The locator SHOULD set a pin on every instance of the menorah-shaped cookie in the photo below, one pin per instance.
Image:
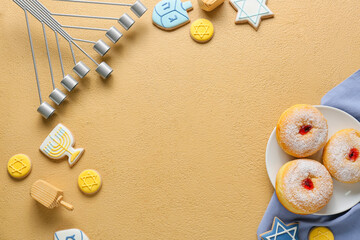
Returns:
(59, 143)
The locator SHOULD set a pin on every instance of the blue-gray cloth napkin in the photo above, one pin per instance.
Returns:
(345, 226)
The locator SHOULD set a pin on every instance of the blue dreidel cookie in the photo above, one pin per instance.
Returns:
(171, 14)
(70, 234)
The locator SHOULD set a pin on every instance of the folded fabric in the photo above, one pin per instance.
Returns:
(345, 96)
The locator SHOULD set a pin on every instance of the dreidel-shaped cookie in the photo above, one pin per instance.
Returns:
(48, 195)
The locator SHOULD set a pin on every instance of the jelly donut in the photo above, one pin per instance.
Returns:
(303, 186)
(341, 156)
(301, 130)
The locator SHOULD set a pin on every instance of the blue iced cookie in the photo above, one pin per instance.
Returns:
(281, 231)
(171, 14)
(70, 234)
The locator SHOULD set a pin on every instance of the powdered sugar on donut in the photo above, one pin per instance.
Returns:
(337, 156)
(309, 143)
(301, 198)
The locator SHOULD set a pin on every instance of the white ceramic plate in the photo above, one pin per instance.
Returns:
(345, 195)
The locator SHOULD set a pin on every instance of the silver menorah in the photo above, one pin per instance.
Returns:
(45, 17)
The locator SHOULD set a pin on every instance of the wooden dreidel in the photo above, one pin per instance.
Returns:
(48, 195)
(209, 5)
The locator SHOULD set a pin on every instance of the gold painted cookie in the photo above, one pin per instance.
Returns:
(89, 181)
(19, 166)
(202, 30)
(321, 233)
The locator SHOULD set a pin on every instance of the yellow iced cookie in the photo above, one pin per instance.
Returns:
(202, 30)
(89, 181)
(19, 166)
(321, 233)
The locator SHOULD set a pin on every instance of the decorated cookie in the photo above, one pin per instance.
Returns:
(281, 231)
(59, 143)
(202, 30)
(321, 233)
(89, 181)
(251, 11)
(70, 234)
(19, 166)
(171, 14)
(209, 5)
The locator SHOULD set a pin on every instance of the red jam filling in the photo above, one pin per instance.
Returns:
(308, 184)
(354, 154)
(305, 129)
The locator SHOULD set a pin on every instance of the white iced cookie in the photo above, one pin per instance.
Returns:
(59, 143)
(251, 11)
(70, 234)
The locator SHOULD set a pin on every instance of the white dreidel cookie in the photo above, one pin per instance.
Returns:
(70, 234)
(59, 144)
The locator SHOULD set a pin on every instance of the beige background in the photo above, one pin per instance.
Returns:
(179, 131)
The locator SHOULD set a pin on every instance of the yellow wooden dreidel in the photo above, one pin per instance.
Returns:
(48, 195)
(209, 5)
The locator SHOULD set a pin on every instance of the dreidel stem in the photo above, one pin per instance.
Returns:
(67, 205)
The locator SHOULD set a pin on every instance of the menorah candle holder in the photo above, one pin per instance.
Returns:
(46, 18)
(81, 69)
(59, 144)
(57, 96)
(113, 34)
(101, 47)
(69, 82)
(126, 21)
(45, 109)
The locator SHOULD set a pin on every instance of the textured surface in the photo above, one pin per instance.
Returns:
(178, 133)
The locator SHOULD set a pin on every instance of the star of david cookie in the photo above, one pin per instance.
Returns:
(251, 11)
(321, 233)
(19, 166)
(281, 231)
(89, 181)
(202, 30)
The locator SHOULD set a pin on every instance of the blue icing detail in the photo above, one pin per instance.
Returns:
(171, 13)
(70, 237)
(281, 231)
(70, 234)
